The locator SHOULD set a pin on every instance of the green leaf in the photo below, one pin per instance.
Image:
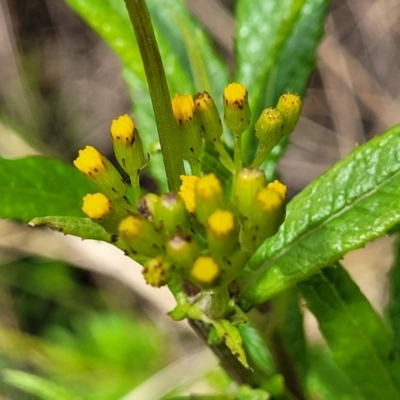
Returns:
(289, 340)
(43, 388)
(37, 186)
(230, 335)
(394, 302)
(82, 227)
(359, 340)
(356, 201)
(326, 380)
(276, 44)
(256, 350)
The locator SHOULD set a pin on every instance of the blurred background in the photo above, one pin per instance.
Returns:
(80, 312)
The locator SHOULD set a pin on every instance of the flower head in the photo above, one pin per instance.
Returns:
(183, 108)
(123, 129)
(90, 161)
(96, 206)
(205, 270)
(187, 191)
(236, 108)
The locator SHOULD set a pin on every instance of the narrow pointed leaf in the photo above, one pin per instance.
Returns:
(41, 388)
(230, 335)
(275, 45)
(356, 335)
(85, 228)
(356, 201)
(36, 186)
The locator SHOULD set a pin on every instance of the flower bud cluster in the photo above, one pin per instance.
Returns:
(207, 231)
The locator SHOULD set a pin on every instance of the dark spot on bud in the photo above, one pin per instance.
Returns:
(114, 190)
(114, 238)
(237, 355)
(192, 150)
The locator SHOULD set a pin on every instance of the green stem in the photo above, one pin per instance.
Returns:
(158, 88)
(260, 157)
(195, 167)
(224, 157)
(237, 150)
(135, 183)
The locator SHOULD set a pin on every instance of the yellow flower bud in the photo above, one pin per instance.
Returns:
(127, 145)
(123, 130)
(101, 172)
(269, 130)
(267, 216)
(209, 197)
(96, 206)
(187, 191)
(289, 104)
(210, 122)
(205, 270)
(156, 272)
(247, 184)
(279, 187)
(184, 113)
(222, 235)
(141, 236)
(236, 108)
(170, 215)
(90, 161)
(182, 250)
(102, 210)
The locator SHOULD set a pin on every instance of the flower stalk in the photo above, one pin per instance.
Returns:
(158, 88)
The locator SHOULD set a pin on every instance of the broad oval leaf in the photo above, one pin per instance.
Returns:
(356, 335)
(276, 44)
(356, 201)
(37, 186)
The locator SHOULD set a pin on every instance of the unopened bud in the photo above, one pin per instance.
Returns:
(248, 182)
(222, 233)
(205, 270)
(182, 251)
(101, 172)
(184, 113)
(186, 191)
(102, 210)
(289, 104)
(156, 272)
(170, 215)
(236, 108)
(127, 144)
(209, 197)
(208, 116)
(141, 236)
